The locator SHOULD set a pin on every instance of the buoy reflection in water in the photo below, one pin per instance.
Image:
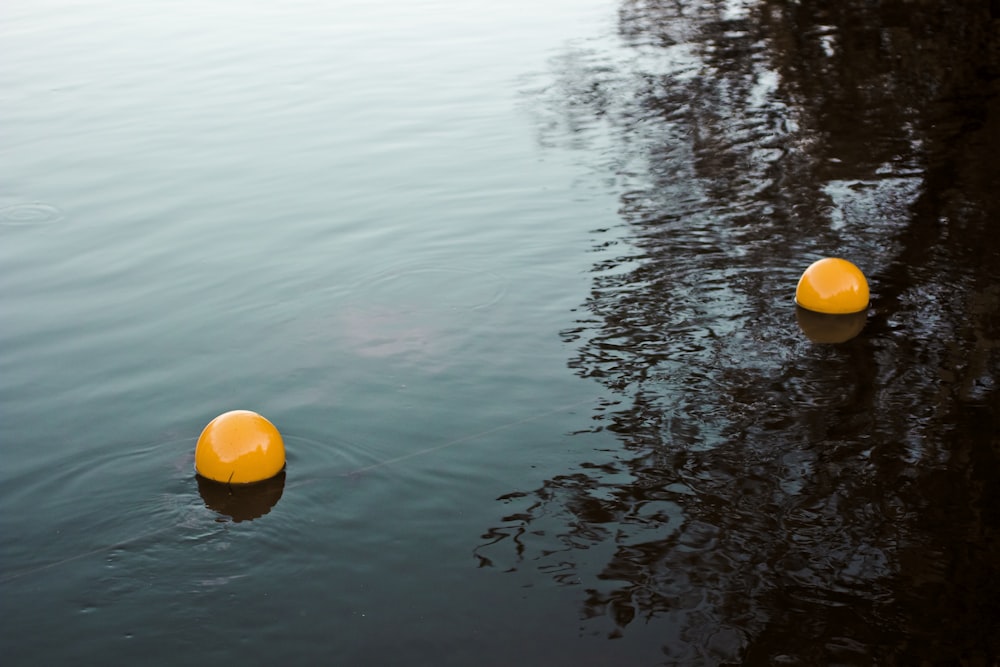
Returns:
(827, 328)
(242, 502)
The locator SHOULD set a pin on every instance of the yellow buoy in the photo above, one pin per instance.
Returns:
(834, 286)
(239, 447)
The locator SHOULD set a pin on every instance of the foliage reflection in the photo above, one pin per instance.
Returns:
(774, 499)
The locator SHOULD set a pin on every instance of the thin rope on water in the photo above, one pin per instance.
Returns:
(12, 576)
(460, 440)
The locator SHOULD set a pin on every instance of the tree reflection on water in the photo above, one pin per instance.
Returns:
(775, 501)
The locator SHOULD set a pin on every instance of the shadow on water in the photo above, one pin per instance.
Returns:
(243, 502)
(775, 500)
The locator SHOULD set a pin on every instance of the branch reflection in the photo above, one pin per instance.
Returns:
(773, 499)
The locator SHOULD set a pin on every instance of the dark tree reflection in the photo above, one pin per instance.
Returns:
(774, 501)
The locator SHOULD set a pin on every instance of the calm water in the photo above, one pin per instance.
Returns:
(515, 282)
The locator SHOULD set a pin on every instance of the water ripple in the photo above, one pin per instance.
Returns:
(34, 213)
(434, 288)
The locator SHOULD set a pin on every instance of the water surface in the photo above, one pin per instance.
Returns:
(516, 283)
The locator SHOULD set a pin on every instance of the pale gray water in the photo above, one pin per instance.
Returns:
(336, 214)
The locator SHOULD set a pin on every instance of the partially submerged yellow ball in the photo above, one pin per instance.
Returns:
(834, 286)
(239, 447)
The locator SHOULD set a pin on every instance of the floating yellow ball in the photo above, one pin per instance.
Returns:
(834, 286)
(239, 447)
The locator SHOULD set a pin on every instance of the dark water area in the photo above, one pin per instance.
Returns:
(529, 334)
(777, 501)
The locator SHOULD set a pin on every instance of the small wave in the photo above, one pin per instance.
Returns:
(36, 213)
(434, 288)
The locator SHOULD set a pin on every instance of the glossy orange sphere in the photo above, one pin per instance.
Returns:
(834, 286)
(239, 447)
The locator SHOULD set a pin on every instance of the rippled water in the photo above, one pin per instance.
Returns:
(777, 501)
(516, 284)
